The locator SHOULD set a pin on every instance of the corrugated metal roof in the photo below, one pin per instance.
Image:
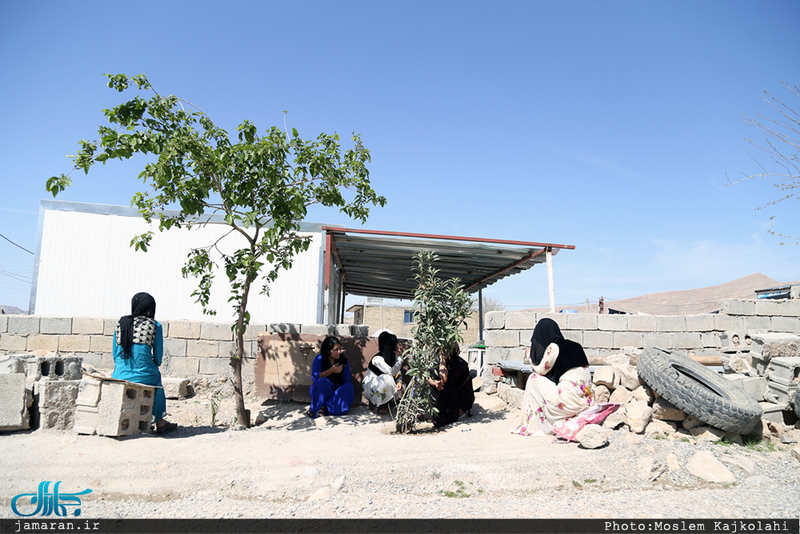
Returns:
(379, 264)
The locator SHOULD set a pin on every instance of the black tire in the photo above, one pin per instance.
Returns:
(796, 402)
(698, 391)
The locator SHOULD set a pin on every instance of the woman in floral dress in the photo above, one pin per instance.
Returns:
(560, 386)
(382, 381)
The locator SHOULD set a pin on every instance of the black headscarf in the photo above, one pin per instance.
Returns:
(387, 345)
(142, 305)
(570, 353)
(325, 351)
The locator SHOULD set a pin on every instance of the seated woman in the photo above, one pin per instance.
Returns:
(331, 389)
(560, 386)
(138, 349)
(382, 381)
(451, 386)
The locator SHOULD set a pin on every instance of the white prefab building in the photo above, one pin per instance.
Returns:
(85, 266)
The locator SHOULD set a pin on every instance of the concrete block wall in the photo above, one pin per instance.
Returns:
(192, 349)
(508, 334)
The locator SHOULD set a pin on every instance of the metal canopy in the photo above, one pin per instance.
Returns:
(379, 264)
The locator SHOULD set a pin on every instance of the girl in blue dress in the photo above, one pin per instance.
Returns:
(331, 389)
(138, 348)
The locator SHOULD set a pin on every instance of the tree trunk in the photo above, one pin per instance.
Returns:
(237, 360)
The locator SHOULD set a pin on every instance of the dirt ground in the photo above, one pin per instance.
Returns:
(354, 466)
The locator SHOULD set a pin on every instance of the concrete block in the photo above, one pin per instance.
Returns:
(74, 343)
(789, 308)
(755, 386)
(124, 408)
(13, 343)
(317, 329)
(724, 322)
(670, 323)
(628, 339)
(360, 330)
(107, 361)
(709, 339)
(15, 400)
(93, 358)
(614, 322)
(87, 325)
(101, 343)
(342, 330)
(511, 395)
(700, 323)
(174, 348)
(89, 392)
(774, 345)
(284, 328)
(110, 326)
(686, 340)
(641, 323)
(23, 324)
(520, 319)
(573, 335)
(502, 338)
(85, 420)
(57, 404)
(55, 325)
(785, 370)
(216, 331)
(51, 419)
(660, 340)
(756, 323)
(215, 366)
(773, 412)
(202, 348)
(42, 342)
(184, 329)
(14, 363)
(226, 349)
(598, 339)
(780, 393)
(737, 307)
(581, 321)
(3, 324)
(495, 320)
(733, 342)
(54, 366)
(184, 366)
(559, 318)
(785, 324)
(496, 354)
(769, 307)
(175, 388)
(253, 329)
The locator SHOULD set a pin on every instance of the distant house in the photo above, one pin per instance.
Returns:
(400, 319)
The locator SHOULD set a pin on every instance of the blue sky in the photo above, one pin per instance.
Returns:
(611, 126)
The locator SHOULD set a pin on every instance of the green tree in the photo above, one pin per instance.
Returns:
(441, 308)
(782, 149)
(261, 184)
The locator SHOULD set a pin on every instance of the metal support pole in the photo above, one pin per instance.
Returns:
(550, 289)
(480, 315)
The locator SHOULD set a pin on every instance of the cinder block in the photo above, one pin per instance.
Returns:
(502, 338)
(226, 349)
(754, 386)
(616, 322)
(13, 342)
(581, 321)
(660, 340)
(774, 345)
(317, 329)
(559, 318)
(85, 420)
(202, 348)
(23, 324)
(89, 392)
(724, 322)
(520, 319)
(216, 331)
(628, 339)
(55, 325)
(15, 400)
(175, 348)
(3, 324)
(54, 366)
(175, 388)
(215, 366)
(573, 335)
(670, 323)
(496, 354)
(360, 330)
(109, 326)
(14, 363)
(94, 359)
(251, 334)
(341, 330)
(57, 404)
(598, 339)
(785, 370)
(74, 343)
(790, 308)
(737, 307)
(756, 323)
(732, 342)
(780, 393)
(700, 323)
(100, 343)
(184, 366)
(42, 342)
(785, 324)
(124, 408)
(184, 329)
(87, 325)
(709, 339)
(495, 320)
(768, 307)
(642, 323)
(686, 340)
(284, 328)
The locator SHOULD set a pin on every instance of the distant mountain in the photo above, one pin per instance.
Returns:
(11, 310)
(687, 301)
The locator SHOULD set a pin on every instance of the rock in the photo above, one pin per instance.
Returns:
(644, 394)
(650, 469)
(615, 420)
(691, 422)
(742, 462)
(666, 411)
(758, 480)
(708, 433)
(617, 359)
(634, 439)
(628, 376)
(637, 416)
(704, 464)
(261, 418)
(621, 395)
(320, 422)
(311, 471)
(796, 453)
(601, 393)
(338, 484)
(604, 375)
(681, 435)
(672, 462)
(658, 428)
(322, 493)
(593, 436)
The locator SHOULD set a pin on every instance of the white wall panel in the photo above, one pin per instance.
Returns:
(87, 268)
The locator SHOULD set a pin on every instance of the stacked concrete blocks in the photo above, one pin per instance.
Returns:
(113, 407)
(15, 402)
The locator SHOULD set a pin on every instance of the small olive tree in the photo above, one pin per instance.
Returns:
(441, 308)
(261, 184)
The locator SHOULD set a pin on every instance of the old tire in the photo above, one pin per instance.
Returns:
(698, 391)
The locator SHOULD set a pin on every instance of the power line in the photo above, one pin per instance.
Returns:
(19, 246)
